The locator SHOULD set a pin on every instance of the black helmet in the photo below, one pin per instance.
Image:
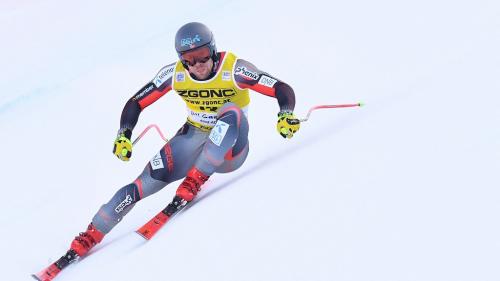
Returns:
(192, 36)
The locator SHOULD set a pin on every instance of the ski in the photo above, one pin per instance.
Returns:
(149, 229)
(55, 268)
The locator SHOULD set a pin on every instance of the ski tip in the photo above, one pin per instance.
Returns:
(36, 277)
(144, 234)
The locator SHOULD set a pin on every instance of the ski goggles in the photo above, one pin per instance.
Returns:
(201, 55)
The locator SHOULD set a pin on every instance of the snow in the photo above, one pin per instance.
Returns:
(405, 188)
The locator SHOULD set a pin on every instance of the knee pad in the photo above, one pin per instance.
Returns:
(229, 109)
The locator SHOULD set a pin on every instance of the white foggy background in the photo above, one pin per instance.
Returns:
(405, 188)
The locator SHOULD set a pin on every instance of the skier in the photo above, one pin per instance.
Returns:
(214, 139)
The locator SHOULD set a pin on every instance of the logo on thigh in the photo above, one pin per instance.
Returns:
(218, 132)
(157, 162)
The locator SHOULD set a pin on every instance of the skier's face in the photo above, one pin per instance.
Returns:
(199, 62)
(201, 70)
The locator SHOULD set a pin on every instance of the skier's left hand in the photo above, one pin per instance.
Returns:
(288, 124)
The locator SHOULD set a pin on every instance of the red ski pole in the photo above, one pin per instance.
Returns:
(329, 106)
(146, 130)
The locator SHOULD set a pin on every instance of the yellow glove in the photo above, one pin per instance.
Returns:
(123, 146)
(288, 124)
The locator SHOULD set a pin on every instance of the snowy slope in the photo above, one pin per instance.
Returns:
(405, 188)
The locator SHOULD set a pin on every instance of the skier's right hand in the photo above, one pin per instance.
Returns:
(123, 146)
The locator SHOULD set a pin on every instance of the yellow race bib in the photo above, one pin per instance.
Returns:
(204, 98)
